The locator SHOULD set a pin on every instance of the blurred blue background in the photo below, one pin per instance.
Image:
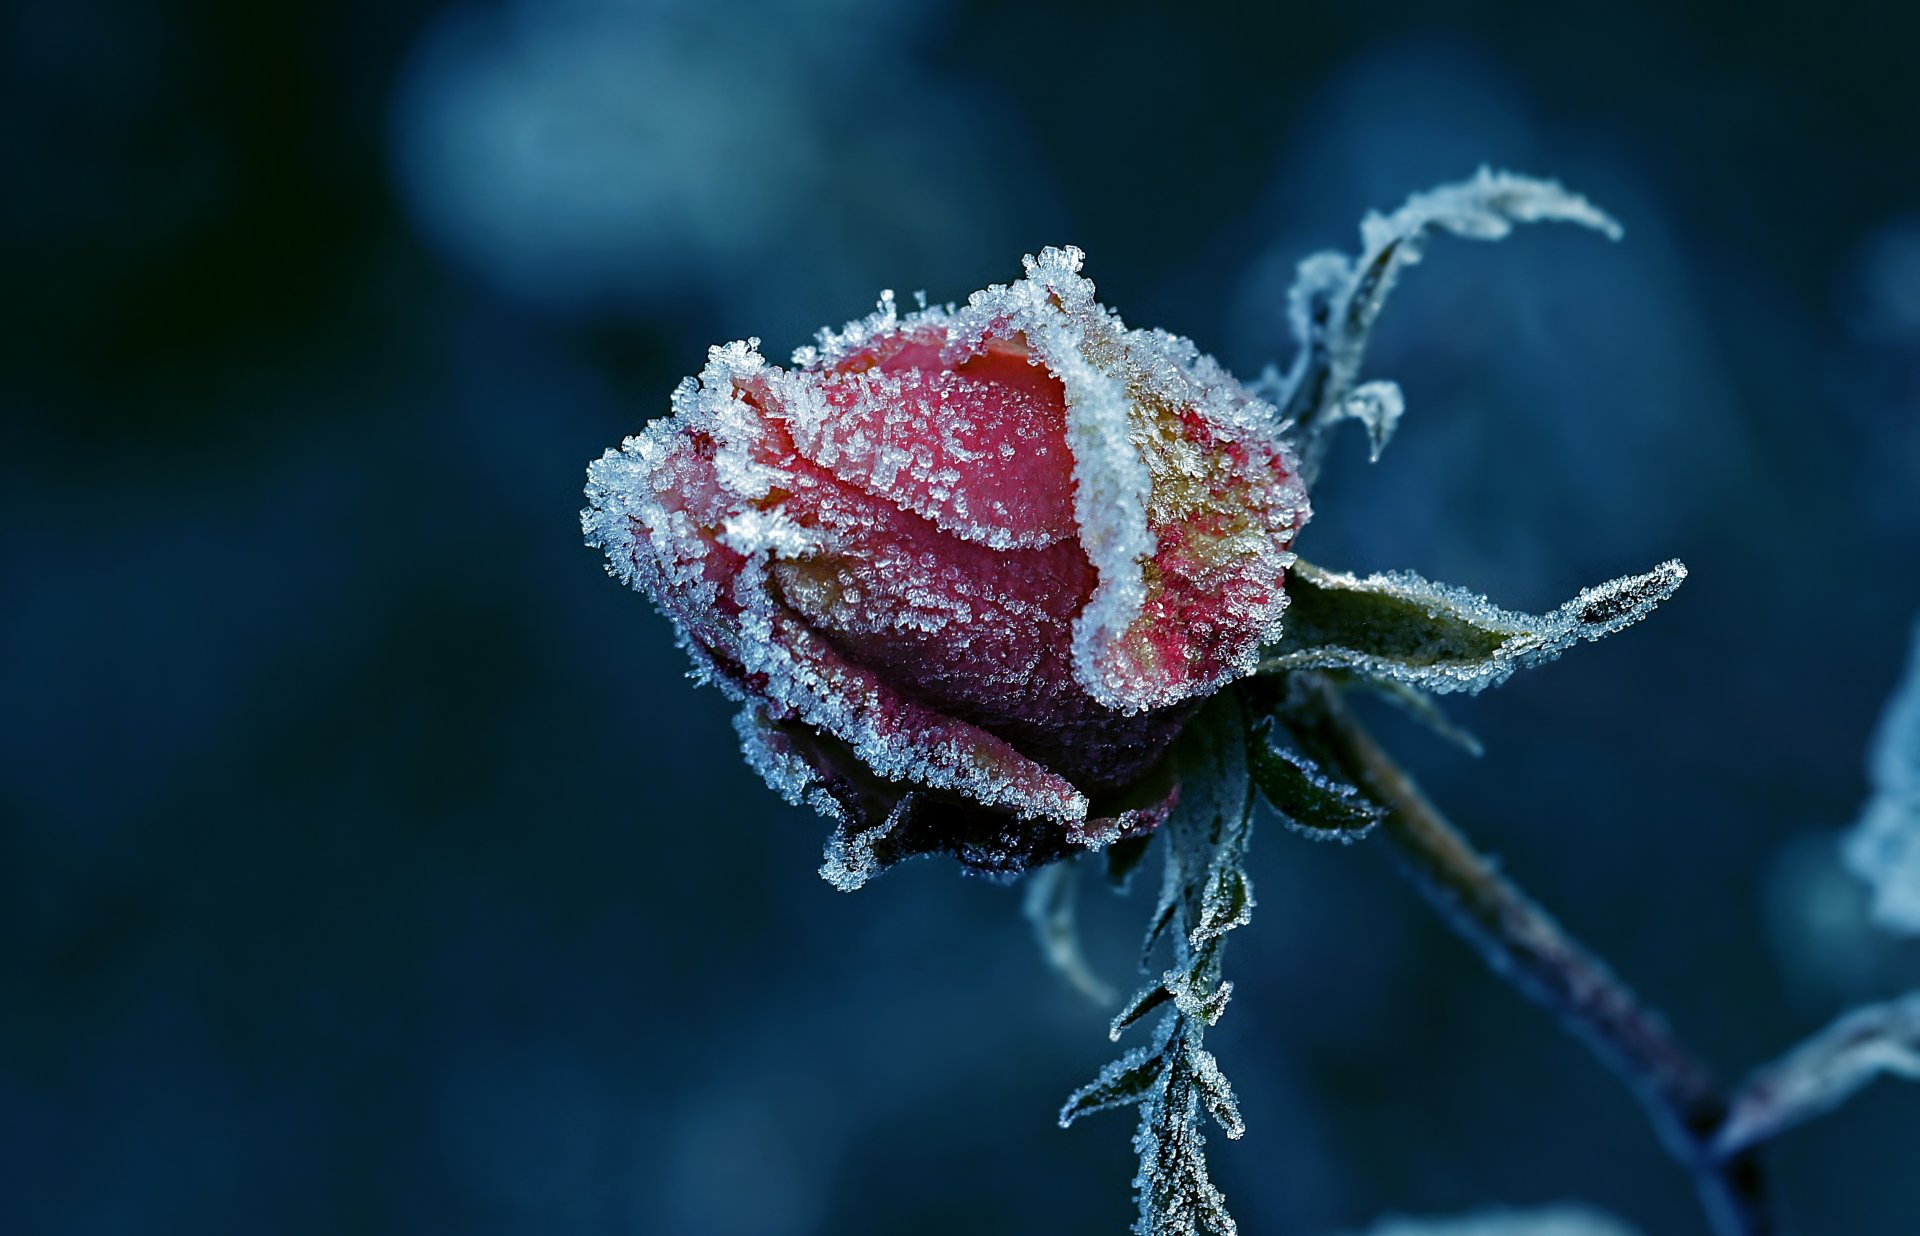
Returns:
(367, 864)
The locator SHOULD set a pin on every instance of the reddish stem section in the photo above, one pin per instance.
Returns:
(1523, 944)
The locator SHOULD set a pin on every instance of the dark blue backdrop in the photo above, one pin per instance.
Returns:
(368, 866)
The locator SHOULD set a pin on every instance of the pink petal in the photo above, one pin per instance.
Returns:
(978, 446)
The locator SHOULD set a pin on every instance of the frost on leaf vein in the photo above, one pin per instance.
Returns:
(1175, 1082)
(1335, 299)
(1400, 628)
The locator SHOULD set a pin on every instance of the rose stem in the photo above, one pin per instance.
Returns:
(1523, 945)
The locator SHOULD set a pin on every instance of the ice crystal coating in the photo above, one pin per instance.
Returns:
(992, 554)
(1305, 796)
(1205, 894)
(1884, 847)
(1378, 407)
(1335, 299)
(1400, 628)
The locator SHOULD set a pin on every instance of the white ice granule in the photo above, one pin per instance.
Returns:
(1111, 478)
(758, 530)
(783, 769)
(1378, 407)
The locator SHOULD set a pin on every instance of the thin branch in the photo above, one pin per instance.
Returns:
(1527, 948)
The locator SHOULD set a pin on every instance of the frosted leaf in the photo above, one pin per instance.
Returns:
(1144, 1001)
(1204, 896)
(1378, 407)
(1227, 903)
(1562, 1220)
(1884, 847)
(1210, 826)
(1216, 1095)
(1824, 1072)
(1401, 628)
(1335, 299)
(1160, 925)
(1123, 1083)
(1198, 1003)
(1049, 906)
(1206, 839)
(1177, 1196)
(1304, 795)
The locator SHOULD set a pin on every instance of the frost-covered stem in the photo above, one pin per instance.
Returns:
(1524, 945)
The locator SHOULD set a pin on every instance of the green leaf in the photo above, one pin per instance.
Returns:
(1176, 1193)
(1126, 1081)
(1216, 1094)
(1403, 629)
(1304, 795)
(1208, 830)
(1144, 1001)
(1204, 893)
(1226, 904)
(1199, 1004)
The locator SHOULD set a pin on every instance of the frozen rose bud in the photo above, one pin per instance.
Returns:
(969, 569)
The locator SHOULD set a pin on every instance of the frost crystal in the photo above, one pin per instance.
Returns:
(1306, 797)
(1884, 847)
(1378, 407)
(1399, 628)
(1205, 894)
(1335, 299)
(784, 770)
